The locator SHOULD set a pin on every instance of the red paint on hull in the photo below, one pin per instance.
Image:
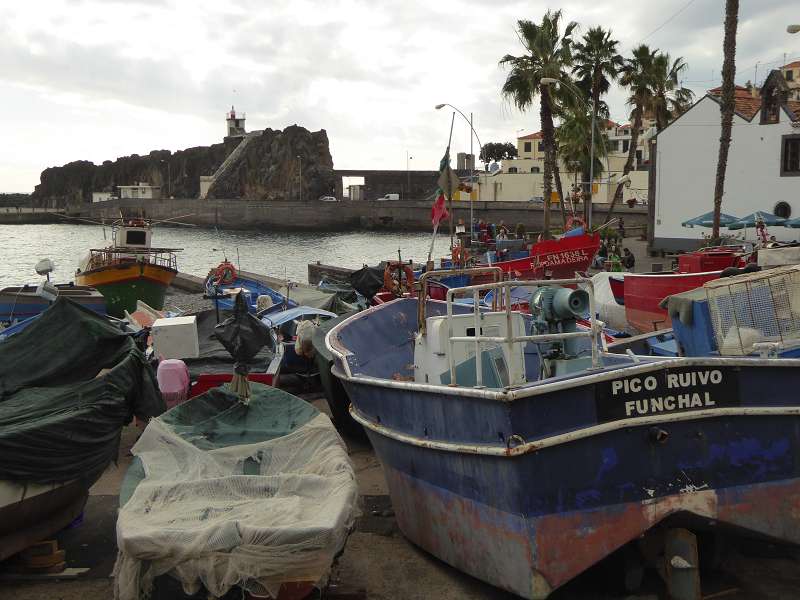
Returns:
(534, 556)
(561, 258)
(644, 292)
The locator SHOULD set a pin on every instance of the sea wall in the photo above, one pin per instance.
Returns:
(334, 216)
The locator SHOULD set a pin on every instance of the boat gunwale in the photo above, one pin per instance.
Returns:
(574, 435)
(124, 265)
(643, 364)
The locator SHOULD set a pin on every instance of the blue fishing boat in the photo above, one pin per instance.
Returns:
(23, 302)
(519, 452)
(224, 282)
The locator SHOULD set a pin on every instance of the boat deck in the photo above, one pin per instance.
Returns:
(379, 561)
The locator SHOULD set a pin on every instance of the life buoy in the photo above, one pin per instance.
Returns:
(460, 255)
(573, 221)
(396, 286)
(225, 273)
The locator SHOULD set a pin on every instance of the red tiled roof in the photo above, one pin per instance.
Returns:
(532, 136)
(738, 92)
(792, 65)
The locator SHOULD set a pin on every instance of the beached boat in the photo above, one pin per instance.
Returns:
(541, 457)
(293, 332)
(221, 493)
(224, 281)
(643, 293)
(70, 381)
(557, 258)
(22, 302)
(130, 269)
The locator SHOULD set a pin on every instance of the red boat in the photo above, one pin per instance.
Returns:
(557, 259)
(643, 292)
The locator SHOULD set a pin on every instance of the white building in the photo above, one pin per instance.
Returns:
(101, 196)
(140, 190)
(763, 170)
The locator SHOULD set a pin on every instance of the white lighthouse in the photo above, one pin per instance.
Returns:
(235, 123)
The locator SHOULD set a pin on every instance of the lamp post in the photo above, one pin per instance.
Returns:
(408, 177)
(472, 170)
(576, 91)
(300, 163)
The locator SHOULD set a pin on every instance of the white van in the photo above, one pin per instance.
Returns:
(388, 197)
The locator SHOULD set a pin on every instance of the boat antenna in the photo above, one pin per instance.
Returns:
(399, 258)
(238, 260)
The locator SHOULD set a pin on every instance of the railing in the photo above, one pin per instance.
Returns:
(423, 283)
(100, 258)
(504, 288)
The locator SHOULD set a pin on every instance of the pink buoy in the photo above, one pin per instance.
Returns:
(173, 381)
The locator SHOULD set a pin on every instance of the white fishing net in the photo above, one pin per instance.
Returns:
(255, 515)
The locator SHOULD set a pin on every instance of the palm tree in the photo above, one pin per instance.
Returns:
(728, 105)
(636, 75)
(574, 141)
(548, 53)
(670, 98)
(597, 64)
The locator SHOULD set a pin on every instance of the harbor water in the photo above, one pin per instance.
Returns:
(270, 253)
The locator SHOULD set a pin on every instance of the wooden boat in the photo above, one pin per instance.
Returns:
(557, 258)
(644, 292)
(22, 302)
(258, 495)
(71, 381)
(224, 281)
(130, 269)
(553, 454)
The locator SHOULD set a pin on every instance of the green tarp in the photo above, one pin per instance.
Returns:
(68, 383)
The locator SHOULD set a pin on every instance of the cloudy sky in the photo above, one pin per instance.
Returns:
(83, 79)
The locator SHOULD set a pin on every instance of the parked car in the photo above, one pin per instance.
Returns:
(328, 199)
(388, 197)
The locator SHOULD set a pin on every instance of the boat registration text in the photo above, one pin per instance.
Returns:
(667, 391)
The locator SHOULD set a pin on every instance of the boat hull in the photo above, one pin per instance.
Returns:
(125, 283)
(559, 259)
(530, 523)
(644, 292)
(33, 512)
(20, 303)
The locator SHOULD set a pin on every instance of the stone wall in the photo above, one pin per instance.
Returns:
(335, 216)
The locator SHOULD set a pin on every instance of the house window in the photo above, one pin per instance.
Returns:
(790, 155)
(625, 145)
(534, 169)
(527, 147)
(541, 146)
(789, 75)
(783, 210)
(512, 169)
(770, 111)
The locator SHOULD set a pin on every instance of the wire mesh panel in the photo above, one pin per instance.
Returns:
(755, 307)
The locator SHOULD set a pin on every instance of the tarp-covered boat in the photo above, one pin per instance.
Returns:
(222, 493)
(69, 382)
(521, 454)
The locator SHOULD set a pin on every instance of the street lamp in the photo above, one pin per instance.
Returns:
(408, 177)
(472, 171)
(578, 95)
(793, 29)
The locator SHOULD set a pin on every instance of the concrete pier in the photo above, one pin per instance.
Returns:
(335, 216)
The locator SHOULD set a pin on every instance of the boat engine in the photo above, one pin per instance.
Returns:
(555, 310)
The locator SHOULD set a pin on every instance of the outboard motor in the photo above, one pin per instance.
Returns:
(556, 310)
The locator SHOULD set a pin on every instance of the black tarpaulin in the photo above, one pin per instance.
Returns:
(68, 383)
(367, 281)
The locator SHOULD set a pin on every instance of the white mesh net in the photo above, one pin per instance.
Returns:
(255, 515)
(754, 308)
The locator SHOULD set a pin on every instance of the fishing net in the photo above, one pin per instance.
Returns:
(235, 495)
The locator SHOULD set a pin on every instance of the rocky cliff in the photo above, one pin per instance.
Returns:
(268, 168)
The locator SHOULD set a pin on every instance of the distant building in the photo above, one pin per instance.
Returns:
(763, 171)
(791, 74)
(101, 196)
(465, 161)
(140, 190)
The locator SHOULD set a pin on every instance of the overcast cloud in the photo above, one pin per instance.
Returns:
(95, 80)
